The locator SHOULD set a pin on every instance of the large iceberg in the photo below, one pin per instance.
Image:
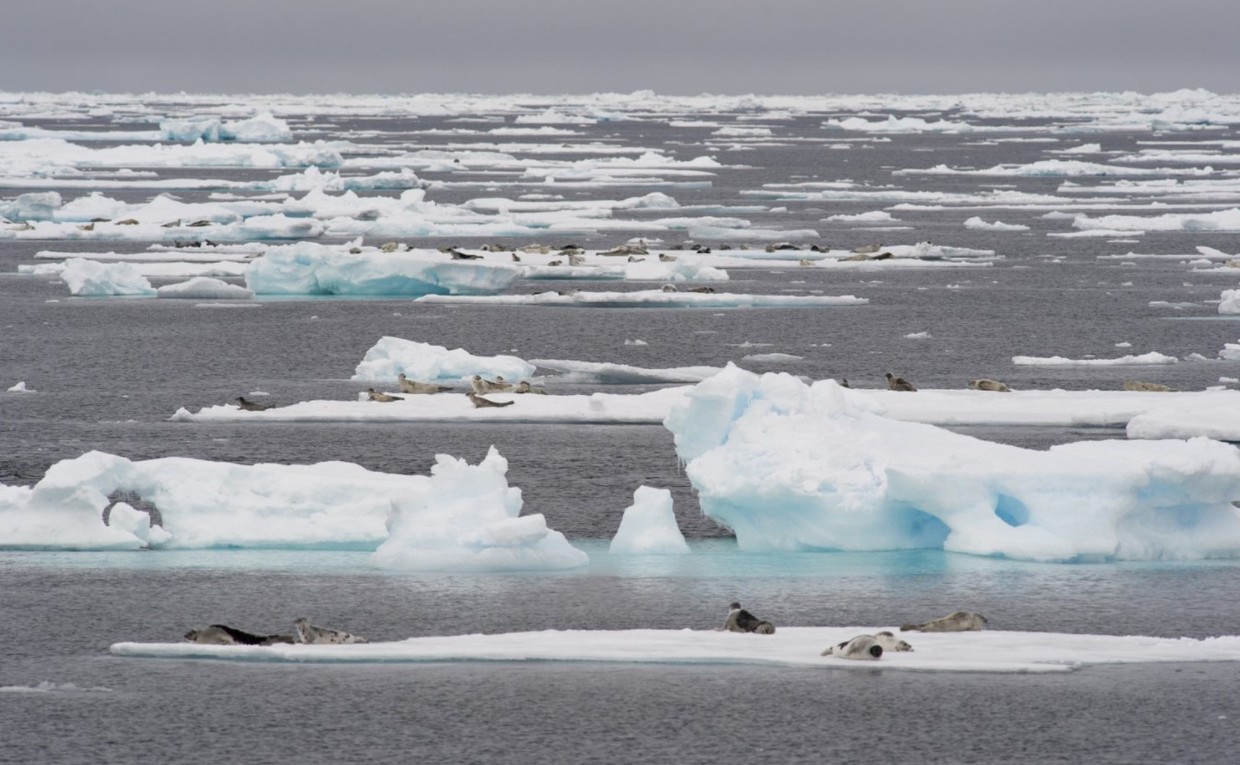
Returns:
(313, 269)
(102, 501)
(470, 521)
(789, 466)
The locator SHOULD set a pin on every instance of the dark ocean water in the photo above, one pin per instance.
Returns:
(110, 372)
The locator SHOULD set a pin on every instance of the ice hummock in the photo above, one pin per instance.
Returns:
(470, 520)
(206, 504)
(393, 356)
(94, 279)
(649, 526)
(789, 466)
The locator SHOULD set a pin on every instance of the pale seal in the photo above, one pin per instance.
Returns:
(383, 398)
(956, 621)
(308, 633)
(252, 406)
(987, 384)
(1140, 386)
(899, 384)
(525, 387)
(861, 648)
(416, 387)
(740, 620)
(481, 403)
(482, 385)
(222, 634)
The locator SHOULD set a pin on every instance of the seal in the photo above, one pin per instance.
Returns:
(1140, 386)
(308, 633)
(861, 648)
(890, 642)
(481, 403)
(740, 620)
(383, 398)
(482, 385)
(956, 621)
(525, 387)
(988, 384)
(899, 384)
(222, 634)
(252, 406)
(416, 387)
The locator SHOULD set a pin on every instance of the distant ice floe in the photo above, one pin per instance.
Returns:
(1218, 220)
(19, 387)
(977, 224)
(204, 288)
(1153, 357)
(875, 216)
(1055, 168)
(995, 651)
(263, 128)
(893, 124)
(604, 373)
(468, 515)
(393, 356)
(653, 299)
(307, 268)
(787, 466)
(648, 526)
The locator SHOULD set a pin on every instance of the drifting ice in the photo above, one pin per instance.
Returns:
(791, 467)
(649, 526)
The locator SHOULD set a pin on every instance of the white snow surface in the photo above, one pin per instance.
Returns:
(649, 526)
(392, 356)
(986, 651)
(788, 466)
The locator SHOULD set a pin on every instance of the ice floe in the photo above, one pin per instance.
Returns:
(787, 466)
(393, 356)
(653, 299)
(1144, 359)
(90, 278)
(204, 288)
(792, 646)
(648, 526)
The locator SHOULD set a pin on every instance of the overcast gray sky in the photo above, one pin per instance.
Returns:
(581, 46)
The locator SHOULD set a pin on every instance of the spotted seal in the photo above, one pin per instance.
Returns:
(308, 633)
(525, 387)
(252, 406)
(222, 634)
(956, 621)
(984, 383)
(740, 620)
(416, 387)
(861, 648)
(383, 398)
(481, 403)
(899, 384)
(1141, 386)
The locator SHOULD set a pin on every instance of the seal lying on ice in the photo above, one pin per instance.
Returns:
(740, 620)
(222, 634)
(861, 647)
(956, 621)
(308, 633)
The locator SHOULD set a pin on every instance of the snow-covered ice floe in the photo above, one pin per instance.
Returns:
(789, 466)
(89, 278)
(461, 517)
(394, 356)
(653, 299)
(595, 408)
(1144, 359)
(987, 651)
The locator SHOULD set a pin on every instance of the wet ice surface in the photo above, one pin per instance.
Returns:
(107, 373)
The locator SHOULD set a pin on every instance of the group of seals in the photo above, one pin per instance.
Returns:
(481, 385)
(303, 632)
(740, 620)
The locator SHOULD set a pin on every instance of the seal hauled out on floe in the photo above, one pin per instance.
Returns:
(417, 387)
(525, 387)
(307, 633)
(383, 398)
(252, 406)
(481, 403)
(867, 646)
(956, 621)
(984, 383)
(482, 385)
(222, 634)
(1141, 386)
(899, 383)
(740, 620)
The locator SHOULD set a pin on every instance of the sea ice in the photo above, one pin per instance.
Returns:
(93, 279)
(393, 356)
(204, 288)
(259, 129)
(470, 520)
(653, 299)
(649, 526)
(787, 466)
(1153, 357)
